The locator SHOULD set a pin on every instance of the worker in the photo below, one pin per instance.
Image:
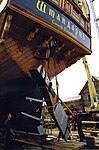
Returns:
(9, 133)
(78, 121)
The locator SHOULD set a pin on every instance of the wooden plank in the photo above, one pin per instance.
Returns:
(54, 144)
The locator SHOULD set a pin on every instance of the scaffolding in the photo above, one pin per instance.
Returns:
(47, 121)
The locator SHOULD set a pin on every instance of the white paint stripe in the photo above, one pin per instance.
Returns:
(34, 99)
(44, 75)
(30, 116)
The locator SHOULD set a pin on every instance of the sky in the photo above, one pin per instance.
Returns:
(72, 79)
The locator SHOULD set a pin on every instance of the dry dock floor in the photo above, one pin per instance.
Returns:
(54, 145)
(51, 143)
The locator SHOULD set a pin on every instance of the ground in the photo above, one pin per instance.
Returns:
(51, 143)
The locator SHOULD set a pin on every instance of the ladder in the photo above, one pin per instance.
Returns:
(94, 15)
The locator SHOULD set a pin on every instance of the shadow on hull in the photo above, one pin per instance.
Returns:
(15, 98)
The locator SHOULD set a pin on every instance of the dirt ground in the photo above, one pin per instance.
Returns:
(51, 142)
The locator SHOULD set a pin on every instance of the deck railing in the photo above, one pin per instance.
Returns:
(79, 12)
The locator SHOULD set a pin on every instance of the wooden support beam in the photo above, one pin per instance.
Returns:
(5, 28)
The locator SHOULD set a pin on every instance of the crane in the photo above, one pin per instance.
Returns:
(94, 97)
(94, 16)
(92, 90)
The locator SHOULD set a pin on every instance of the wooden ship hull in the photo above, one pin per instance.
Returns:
(35, 32)
(26, 32)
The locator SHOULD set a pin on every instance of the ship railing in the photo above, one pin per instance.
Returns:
(73, 8)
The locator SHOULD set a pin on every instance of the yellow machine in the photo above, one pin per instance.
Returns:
(94, 97)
